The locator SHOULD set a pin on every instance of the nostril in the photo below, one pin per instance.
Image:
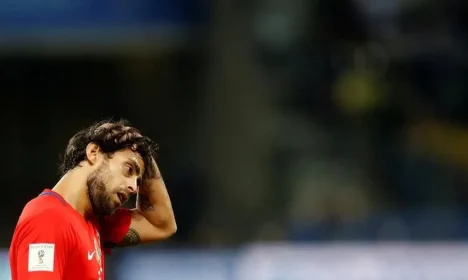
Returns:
(131, 189)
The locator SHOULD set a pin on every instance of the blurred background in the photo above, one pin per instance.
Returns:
(319, 139)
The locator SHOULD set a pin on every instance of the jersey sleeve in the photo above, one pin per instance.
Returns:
(42, 244)
(114, 228)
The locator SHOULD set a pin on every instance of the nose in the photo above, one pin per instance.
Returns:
(132, 187)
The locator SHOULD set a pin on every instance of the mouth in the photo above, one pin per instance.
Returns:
(122, 197)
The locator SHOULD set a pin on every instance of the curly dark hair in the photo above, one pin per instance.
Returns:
(110, 136)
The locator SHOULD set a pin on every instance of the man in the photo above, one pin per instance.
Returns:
(62, 233)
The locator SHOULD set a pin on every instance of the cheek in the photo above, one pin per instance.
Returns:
(114, 168)
(115, 174)
(115, 181)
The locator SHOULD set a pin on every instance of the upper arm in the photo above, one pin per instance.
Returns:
(128, 228)
(41, 246)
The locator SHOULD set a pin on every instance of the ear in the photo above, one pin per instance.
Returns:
(92, 152)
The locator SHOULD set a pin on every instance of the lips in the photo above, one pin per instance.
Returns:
(122, 197)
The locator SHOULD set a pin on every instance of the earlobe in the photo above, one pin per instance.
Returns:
(92, 151)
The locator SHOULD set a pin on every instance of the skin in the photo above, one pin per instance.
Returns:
(94, 185)
(114, 181)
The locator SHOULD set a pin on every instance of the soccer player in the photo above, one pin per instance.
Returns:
(62, 233)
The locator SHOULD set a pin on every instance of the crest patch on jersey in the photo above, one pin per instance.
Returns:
(41, 257)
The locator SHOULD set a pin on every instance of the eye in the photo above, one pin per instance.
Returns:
(129, 169)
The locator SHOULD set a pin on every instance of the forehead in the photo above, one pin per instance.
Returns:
(128, 154)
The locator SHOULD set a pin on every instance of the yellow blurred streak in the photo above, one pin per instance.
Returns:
(443, 141)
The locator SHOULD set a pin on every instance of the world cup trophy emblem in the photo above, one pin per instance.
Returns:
(40, 254)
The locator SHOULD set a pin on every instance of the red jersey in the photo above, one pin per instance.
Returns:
(52, 241)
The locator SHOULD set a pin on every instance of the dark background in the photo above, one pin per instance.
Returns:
(277, 120)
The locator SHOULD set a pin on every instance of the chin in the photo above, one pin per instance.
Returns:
(114, 207)
(107, 210)
(111, 212)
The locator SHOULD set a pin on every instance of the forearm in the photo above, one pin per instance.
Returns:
(155, 205)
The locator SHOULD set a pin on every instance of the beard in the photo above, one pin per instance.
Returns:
(99, 196)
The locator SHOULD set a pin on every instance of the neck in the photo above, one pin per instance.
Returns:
(72, 187)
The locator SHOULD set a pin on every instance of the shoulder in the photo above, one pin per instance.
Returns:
(44, 225)
(119, 221)
(115, 227)
(44, 215)
(47, 225)
(44, 208)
